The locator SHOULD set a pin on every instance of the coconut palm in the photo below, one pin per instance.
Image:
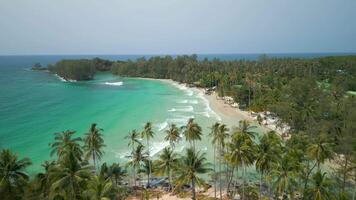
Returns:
(137, 157)
(191, 165)
(213, 134)
(147, 134)
(247, 129)
(320, 150)
(219, 134)
(241, 153)
(93, 144)
(44, 178)
(62, 141)
(100, 188)
(284, 174)
(268, 151)
(320, 187)
(133, 138)
(172, 135)
(192, 132)
(166, 163)
(12, 174)
(68, 178)
(117, 173)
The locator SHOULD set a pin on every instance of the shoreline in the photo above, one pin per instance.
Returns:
(227, 114)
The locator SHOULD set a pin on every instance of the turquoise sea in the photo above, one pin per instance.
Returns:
(34, 105)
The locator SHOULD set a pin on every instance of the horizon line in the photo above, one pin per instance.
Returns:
(175, 54)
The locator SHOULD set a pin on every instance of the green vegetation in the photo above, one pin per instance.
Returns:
(286, 169)
(310, 95)
(78, 70)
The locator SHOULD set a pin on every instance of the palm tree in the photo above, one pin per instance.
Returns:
(68, 178)
(166, 163)
(93, 144)
(219, 133)
(100, 188)
(192, 131)
(12, 174)
(190, 166)
(241, 153)
(320, 187)
(247, 129)
(62, 141)
(268, 152)
(133, 140)
(137, 157)
(320, 151)
(213, 134)
(148, 134)
(172, 135)
(44, 178)
(285, 174)
(117, 172)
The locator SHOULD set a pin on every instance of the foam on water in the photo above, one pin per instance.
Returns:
(182, 109)
(114, 83)
(162, 126)
(156, 147)
(60, 78)
(207, 106)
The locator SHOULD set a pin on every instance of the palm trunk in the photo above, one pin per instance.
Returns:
(193, 189)
(230, 180)
(134, 174)
(243, 180)
(149, 163)
(215, 171)
(261, 185)
(307, 179)
(170, 180)
(94, 162)
(220, 182)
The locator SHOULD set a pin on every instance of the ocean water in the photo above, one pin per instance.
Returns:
(34, 105)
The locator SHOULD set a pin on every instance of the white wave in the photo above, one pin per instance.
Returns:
(162, 126)
(179, 120)
(193, 101)
(157, 147)
(182, 109)
(114, 83)
(190, 92)
(207, 106)
(60, 78)
(183, 101)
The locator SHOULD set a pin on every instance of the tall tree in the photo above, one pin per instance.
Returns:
(192, 132)
(137, 157)
(12, 175)
(62, 142)
(166, 163)
(241, 153)
(191, 165)
(172, 135)
(320, 188)
(93, 144)
(268, 151)
(147, 134)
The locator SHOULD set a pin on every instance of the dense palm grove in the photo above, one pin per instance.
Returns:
(302, 167)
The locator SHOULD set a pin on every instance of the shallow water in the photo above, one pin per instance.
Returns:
(34, 105)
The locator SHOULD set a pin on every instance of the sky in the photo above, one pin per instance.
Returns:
(29, 27)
